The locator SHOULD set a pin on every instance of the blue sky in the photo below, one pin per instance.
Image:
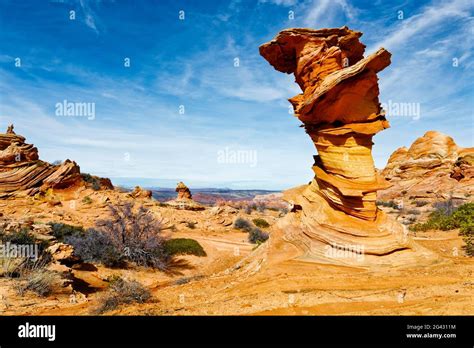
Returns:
(139, 136)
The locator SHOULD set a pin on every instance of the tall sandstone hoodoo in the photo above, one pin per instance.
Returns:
(22, 172)
(340, 111)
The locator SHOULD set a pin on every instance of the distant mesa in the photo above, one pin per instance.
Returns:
(433, 167)
(23, 173)
(341, 112)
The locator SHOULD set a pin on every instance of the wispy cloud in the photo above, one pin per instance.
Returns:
(416, 26)
(90, 17)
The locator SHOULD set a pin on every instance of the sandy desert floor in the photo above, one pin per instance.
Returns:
(211, 286)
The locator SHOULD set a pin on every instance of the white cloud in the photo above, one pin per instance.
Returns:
(431, 16)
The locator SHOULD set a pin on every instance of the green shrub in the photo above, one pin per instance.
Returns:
(61, 230)
(93, 180)
(87, 200)
(469, 247)
(242, 224)
(262, 223)
(21, 236)
(447, 218)
(183, 246)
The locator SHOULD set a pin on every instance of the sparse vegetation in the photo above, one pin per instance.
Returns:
(446, 217)
(87, 200)
(243, 224)
(61, 230)
(413, 212)
(93, 180)
(128, 236)
(123, 292)
(41, 281)
(420, 203)
(20, 236)
(262, 223)
(183, 246)
(191, 225)
(257, 236)
(389, 204)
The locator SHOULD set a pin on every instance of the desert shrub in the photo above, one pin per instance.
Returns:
(262, 223)
(464, 217)
(446, 207)
(16, 267)
(191, 225)
(390, 204)
(87, 200)
(469, 247)
(20, 236)
(183, 246)
(61, 230)
(96, 246)
(123, 292)
(257, 236)
(128, 236)
(261, 206)
(243, 224)
(446, 218)
(93, 180)
(41, 281)
(248, 210)
(420, 203)
(413, 212)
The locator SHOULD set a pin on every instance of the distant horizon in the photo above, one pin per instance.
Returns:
(158, 90)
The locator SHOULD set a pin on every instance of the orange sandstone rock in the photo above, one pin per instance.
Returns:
(340, 111)
(433, 167)
(21, 171)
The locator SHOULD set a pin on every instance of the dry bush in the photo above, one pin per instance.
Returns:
(129, 235)
(122, 292)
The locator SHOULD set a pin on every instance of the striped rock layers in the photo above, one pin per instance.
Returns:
(340, 111)
(434, 167)
(21, 171)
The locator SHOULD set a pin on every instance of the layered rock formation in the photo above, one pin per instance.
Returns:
(22, 172)
(183, 191)
(138, 192)
(433, 167)
(184, 199)
(340, 111)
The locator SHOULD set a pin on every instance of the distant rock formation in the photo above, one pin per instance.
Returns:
(183, 191)
(21, 171)
(138, 192)
(340, 111)
(184, 199)
(433, 167)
